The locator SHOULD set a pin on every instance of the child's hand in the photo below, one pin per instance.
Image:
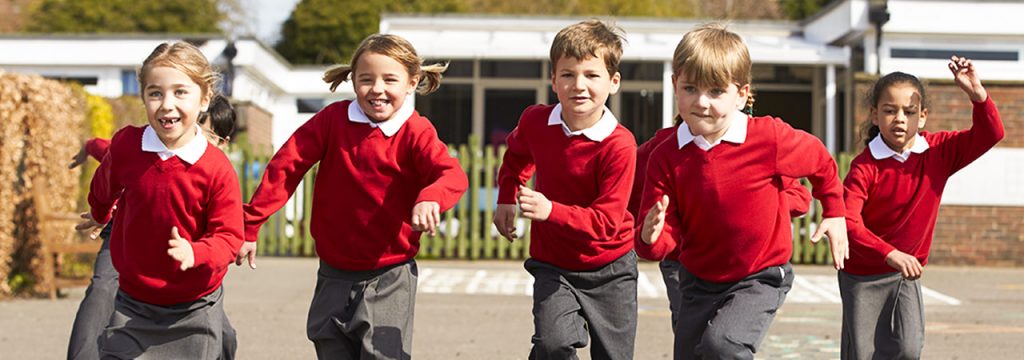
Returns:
(505, 220)
(535, 205)
(248, 251)
(835, 228)
(654, 222)
(181, 250)
(79, 158)
(90, 226)
(905, 263)
(426, 216)
(967, 78)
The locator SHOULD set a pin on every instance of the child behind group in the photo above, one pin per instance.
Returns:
(218, 124)
(178, 223)
(714, 191)
(797, 200)
(892, 196)
(581, 247)
(380, 161)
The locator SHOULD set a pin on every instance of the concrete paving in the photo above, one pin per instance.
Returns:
(972, 313)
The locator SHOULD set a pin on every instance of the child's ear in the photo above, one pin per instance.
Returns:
(744, 93)
(413, 82)
(204, 104)
(922, 119)
(616, 80)
(873, 116)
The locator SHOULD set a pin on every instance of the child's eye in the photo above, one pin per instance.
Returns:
(690, 89)
(593, 76)
(566, 75)
(180, 92)
(717, 92)
(153, 94)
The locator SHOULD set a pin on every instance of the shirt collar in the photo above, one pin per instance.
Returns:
(388, 127)
(736, 133)
(189, 153)
(879, 150)
(598, 132)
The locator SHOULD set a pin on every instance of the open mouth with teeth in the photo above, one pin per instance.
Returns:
(379, 102)
(168, 122)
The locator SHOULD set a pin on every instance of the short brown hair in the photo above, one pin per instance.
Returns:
(183, 57)
(587, 39)
(395, 47)
(712, 56)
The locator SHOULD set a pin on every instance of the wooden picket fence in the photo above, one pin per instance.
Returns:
(466, 231)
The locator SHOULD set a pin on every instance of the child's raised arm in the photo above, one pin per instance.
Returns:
(986, 126)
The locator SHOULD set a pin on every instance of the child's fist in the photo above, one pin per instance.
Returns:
(654, 222)
(535, 205)
(181, 250)
(426, 216)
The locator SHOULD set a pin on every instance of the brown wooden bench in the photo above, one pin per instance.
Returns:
(55, 246)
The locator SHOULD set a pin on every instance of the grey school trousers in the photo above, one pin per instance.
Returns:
(728, 320)
(570, 305)
(670, 274)
(883, 317)
(363, 314)
(98, 304)
(193, 330)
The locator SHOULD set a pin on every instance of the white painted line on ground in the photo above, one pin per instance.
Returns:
(474, 283)
(949, 300)
(822, 293)
(645, 286)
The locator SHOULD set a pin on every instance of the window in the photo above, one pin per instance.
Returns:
(456, 68)
(129, 83)
(502, 110)
(946, 54)
(81, 80)
(650, 71)
(309, 105)
(510, 69)
(641, 113)
(450, 109)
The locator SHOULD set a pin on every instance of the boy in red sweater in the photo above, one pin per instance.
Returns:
(797, 199)
(581, 244)
(384, 177)
(179, 218)
(892, 196)
(218, 124)
(714, 191)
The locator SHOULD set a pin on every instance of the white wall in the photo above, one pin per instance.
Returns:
(995, 179)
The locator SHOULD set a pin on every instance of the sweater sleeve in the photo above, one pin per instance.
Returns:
(517, 165)
(800, 154)
(658, 183)
(286, 169)
(97, 148)
(104, 190)
(798, 198)
(643, 153)
(602, 219)
(444, 179)
(218, 247)
(857, 188)
(965, 146)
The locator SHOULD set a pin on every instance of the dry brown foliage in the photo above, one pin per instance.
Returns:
(40, 130)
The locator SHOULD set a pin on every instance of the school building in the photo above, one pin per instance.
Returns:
(813, 74)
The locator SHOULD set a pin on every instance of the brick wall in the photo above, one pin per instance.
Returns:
(967, 235)
(979, 235)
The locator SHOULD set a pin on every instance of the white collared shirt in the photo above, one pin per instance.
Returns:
(598, 132)
(879, 150)
(388, 127)
(189, 153)
(736, 133)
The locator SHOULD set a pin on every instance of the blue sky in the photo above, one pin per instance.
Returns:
(267, 17)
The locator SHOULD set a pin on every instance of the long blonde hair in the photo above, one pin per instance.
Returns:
(183, 57)
(397, 48)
